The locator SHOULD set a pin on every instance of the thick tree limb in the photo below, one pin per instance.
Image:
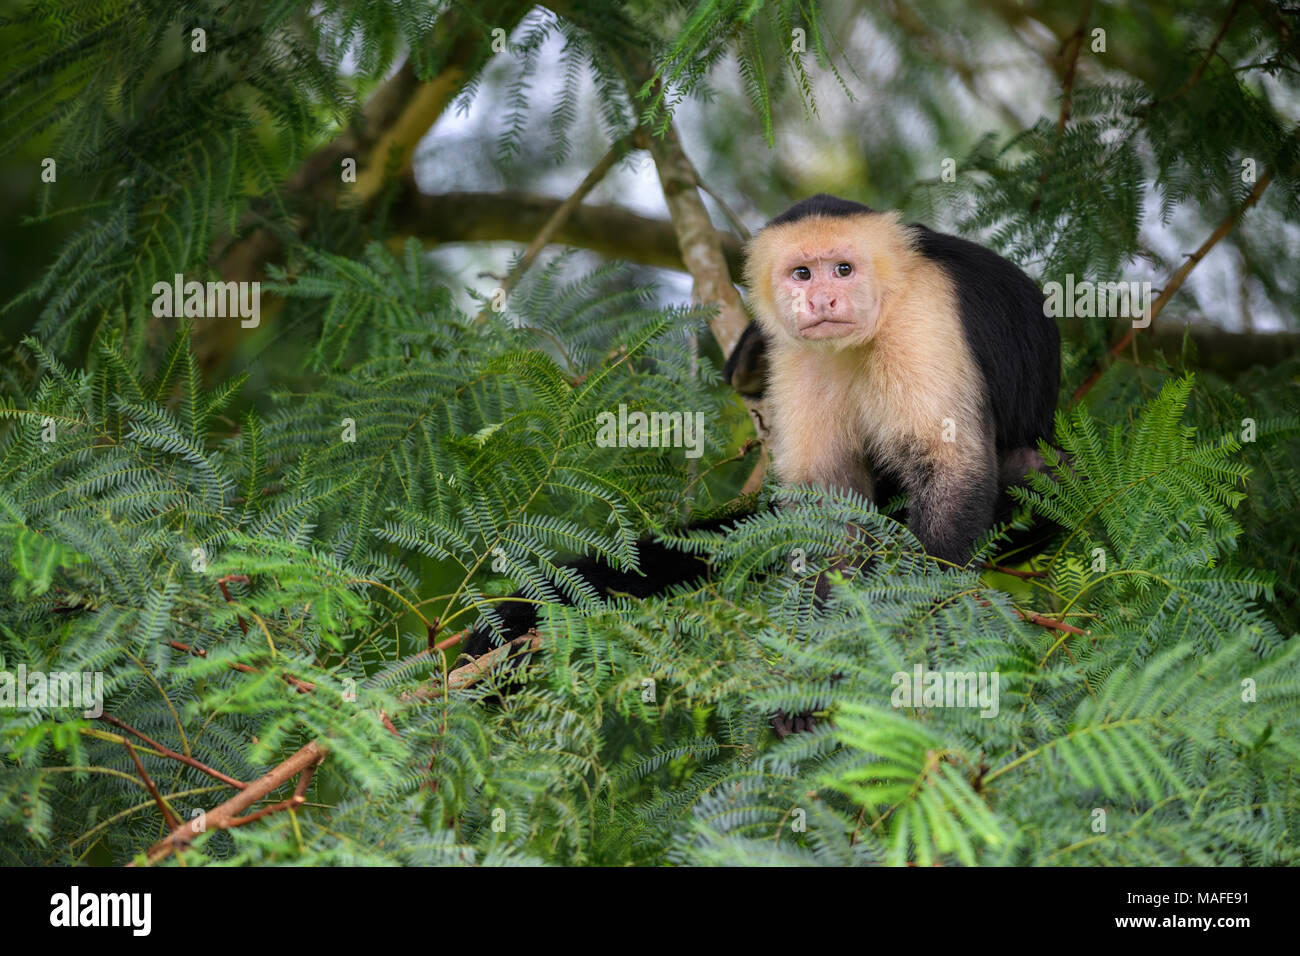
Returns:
(697, 239)
(390, 127)
(226, 814)
(517, 216)
(707, 265)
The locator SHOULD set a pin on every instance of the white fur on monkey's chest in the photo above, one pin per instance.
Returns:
(887, 404)
(827, 411)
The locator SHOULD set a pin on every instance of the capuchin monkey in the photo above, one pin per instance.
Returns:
(893, 358)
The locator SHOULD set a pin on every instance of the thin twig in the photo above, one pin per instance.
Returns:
(1074, 44)
(172, 754)
(452, 641)
(303, 686)
(989, 565)
(293, 801)
(1052, 623)
(1070, 50)
(560, 217)
(1179, 276)
(1209, 54)
(225, 592)
(168, 816)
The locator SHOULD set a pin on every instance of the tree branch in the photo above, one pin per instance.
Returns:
(1070, 51)
(1176, 280)
(225, 814)
(1051, 623)
(1209, 54)
(516, 216)
(1270, 14)
(168, 816)
(172, 754)
(919, 29)
(707, 265)
(384, 138)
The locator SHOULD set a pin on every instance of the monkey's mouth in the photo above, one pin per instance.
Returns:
(825, 328)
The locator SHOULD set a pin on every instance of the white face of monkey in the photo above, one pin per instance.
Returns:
(826, 294)
(816, 280)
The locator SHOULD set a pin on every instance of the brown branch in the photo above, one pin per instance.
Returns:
(517, 216)
(697, 239)
(1070, 52)
(1014, 572)
(168, 816)
(477, 668)
(225, 592)
(1209, 54)
(705, 261)
(382, 140)
(1176, 280)
(1052, 623)
(172, 754)
(303, 686)
(1222, 351)
(224, 815)
(452, 641)
(304, 781)
(384, 137)
(294, 801)
(1073, 46)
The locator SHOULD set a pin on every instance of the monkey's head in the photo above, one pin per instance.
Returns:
(822, 271)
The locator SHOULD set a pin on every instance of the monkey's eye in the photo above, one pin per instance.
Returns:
(802, 273)
(844, 270)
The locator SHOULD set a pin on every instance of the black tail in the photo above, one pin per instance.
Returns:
(662, 567)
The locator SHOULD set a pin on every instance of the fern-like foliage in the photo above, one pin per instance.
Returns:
(241, 568)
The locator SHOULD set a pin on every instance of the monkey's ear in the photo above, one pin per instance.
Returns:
(746, 367)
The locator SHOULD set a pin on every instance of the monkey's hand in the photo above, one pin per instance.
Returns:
(784, 725)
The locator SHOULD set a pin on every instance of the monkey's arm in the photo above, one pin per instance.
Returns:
(746, 367)
(952, 502)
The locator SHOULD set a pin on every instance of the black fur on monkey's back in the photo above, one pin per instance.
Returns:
(1015, 344)
(662, 568)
